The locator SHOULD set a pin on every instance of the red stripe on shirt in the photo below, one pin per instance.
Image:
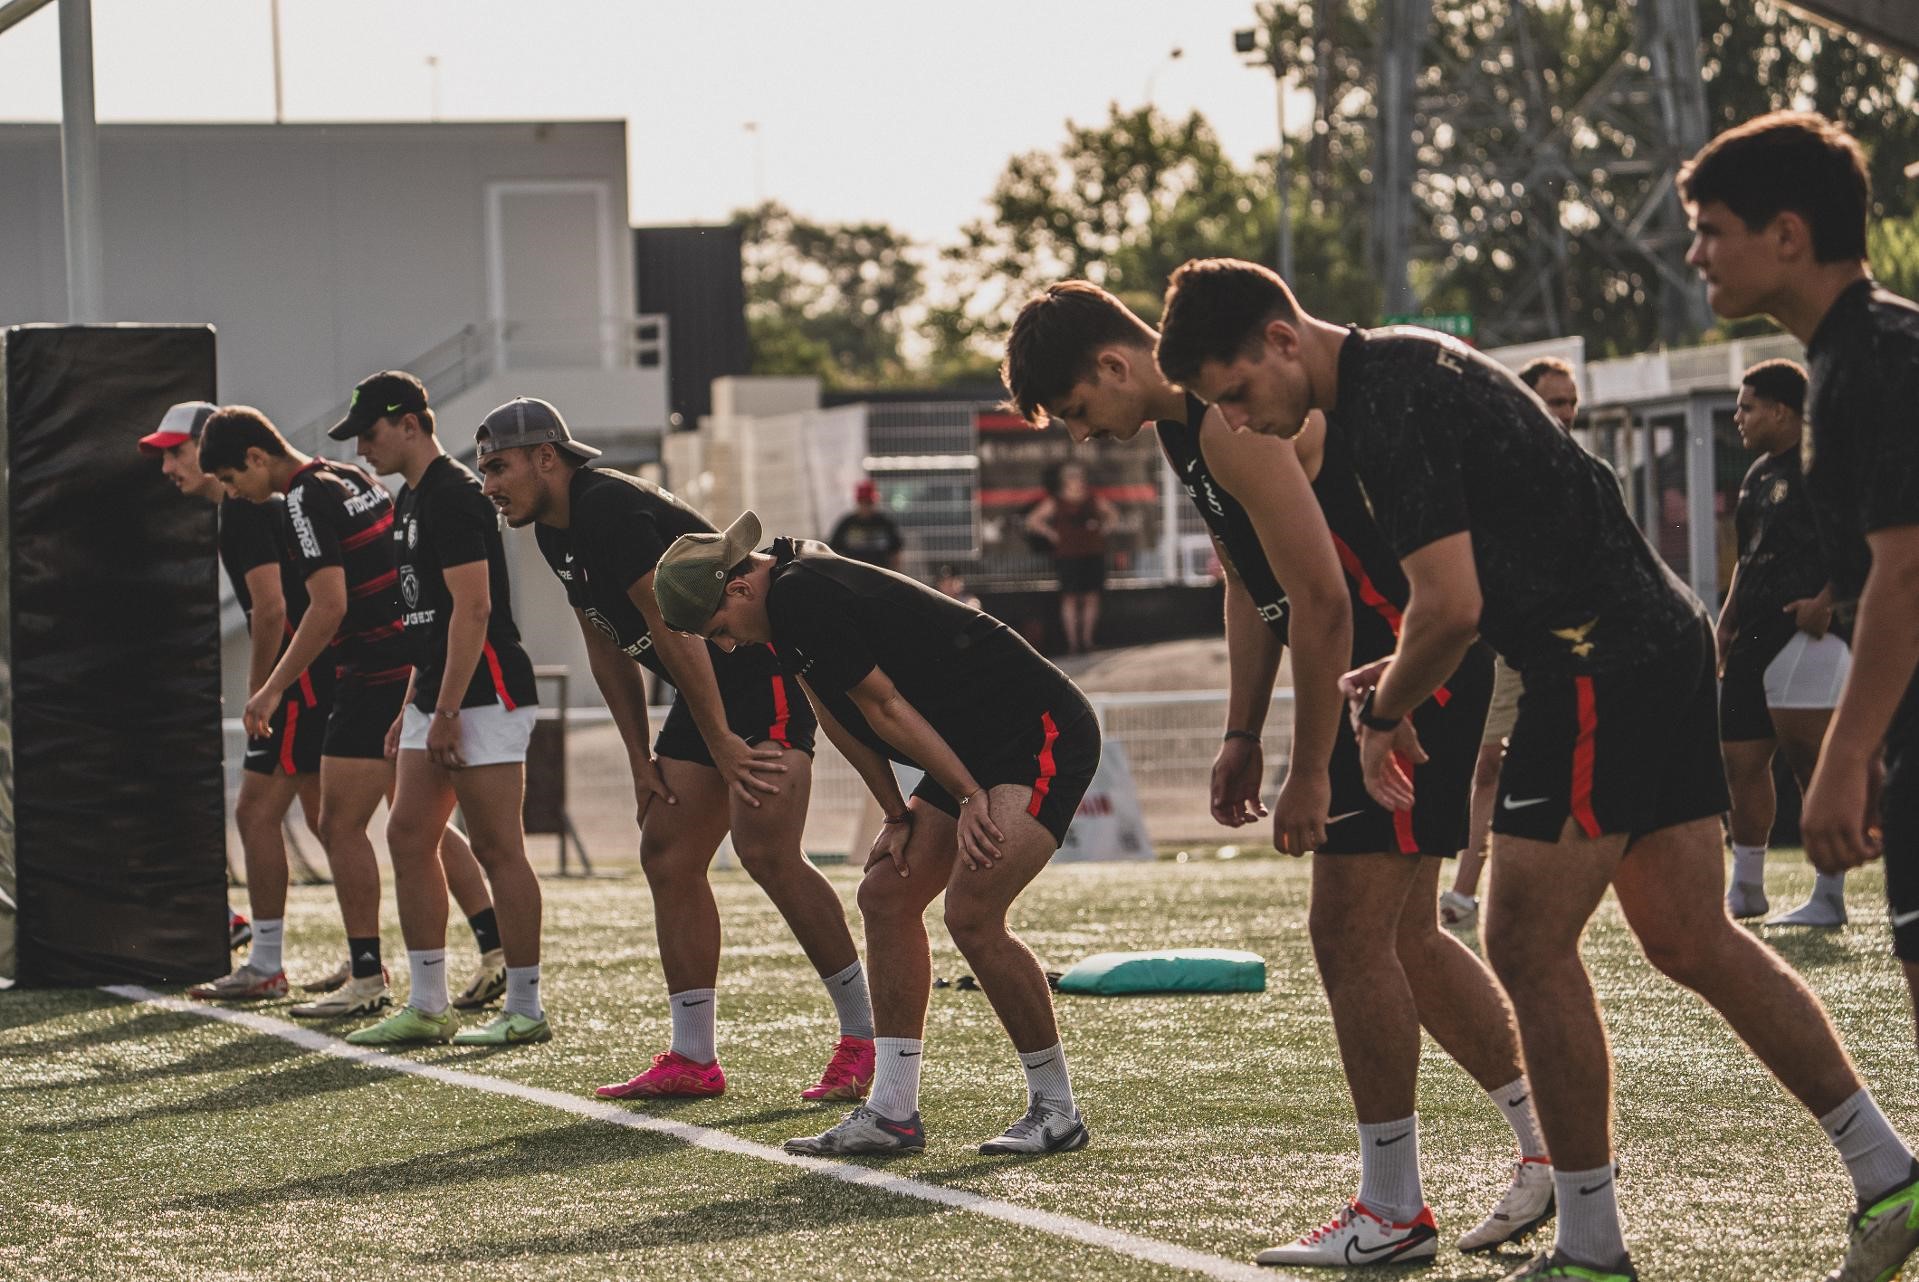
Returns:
(1047, 767)
(379, 583)
(361, 538)
(1582, 795)
(1368, 593)
(499, 677)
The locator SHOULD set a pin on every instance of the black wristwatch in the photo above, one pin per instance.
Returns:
(1385, 725)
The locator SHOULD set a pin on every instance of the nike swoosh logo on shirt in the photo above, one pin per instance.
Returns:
(1905, 919)
(1511, 803)
(1333, 819)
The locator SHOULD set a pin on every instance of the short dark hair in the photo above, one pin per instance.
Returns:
(1780, 381)
(231, 431)
(1216, 308)
(1540, 366)
(1788, 161)
(1055, 339)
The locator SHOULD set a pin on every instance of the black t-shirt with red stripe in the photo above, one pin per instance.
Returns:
(442, 522)
(618, 528)
(970, 676)
(1446, 441)
(1231, 526)
(338, 515)
(256, 534)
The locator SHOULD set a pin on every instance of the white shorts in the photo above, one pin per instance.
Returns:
(1808, 673)
(489, 735)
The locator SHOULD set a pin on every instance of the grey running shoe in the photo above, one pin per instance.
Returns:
(1043, 1129)
(864, 1131)
(1826, 912)
(1527, 1204)
(1884, 1235)
(488, 982)
(1745, 899)
(247, 984)
(355, 997)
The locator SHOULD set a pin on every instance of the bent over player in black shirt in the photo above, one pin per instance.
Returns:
(340, 547)
(1506, 527)
(462, 735)
(1282, 512)
(285, 762)
(898, 670)
(737, 725)
(1779, 209)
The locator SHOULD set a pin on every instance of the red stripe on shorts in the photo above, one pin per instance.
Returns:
(777, 731)
(286, 737)
(499, 677)
(1582, 799)
(1403, 819)
(1047, 767)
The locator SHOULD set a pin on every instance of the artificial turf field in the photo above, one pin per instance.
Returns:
(145, 1142)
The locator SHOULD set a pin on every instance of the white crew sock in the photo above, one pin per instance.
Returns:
(694, 1024)
(896, 1077)
(1589, 1229)
(847, 988)
(268, 939)
(1831, 884)
(1748, 865)
(1046, 1079)
(1876, 1158)
(428, 968)
(1389, 1169)
(523, 991)
(1515, 1101)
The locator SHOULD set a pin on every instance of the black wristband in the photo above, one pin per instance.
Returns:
(1249, 736)
(1384, 725)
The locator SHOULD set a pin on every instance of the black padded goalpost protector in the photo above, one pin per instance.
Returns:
(112, 797)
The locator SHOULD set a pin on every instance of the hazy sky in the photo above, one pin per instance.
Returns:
(903, 111)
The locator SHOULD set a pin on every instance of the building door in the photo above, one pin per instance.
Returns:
(551, 268)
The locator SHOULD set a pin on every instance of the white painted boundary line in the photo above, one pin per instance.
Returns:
(1069, 1227)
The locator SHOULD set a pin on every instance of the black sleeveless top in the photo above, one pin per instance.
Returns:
(1223, 514)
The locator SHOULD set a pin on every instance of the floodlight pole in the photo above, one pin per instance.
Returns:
(80, 164)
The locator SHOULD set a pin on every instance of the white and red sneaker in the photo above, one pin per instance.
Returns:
(848, 1075)
(673, 1076)
(1357, 1237)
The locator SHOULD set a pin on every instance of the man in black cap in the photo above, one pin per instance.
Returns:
(339, 524)
(898, 670)
(284, 762)
(735, 753)
(462, 736)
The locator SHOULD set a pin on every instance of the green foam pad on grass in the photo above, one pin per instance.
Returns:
(1171, 970)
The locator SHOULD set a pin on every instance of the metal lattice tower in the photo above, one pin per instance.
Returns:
(1470, 125)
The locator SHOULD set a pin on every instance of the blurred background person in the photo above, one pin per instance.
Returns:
(1074, 521)
(867, 533)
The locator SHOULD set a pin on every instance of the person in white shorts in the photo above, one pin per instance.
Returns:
(1781, 663)
(461, 735)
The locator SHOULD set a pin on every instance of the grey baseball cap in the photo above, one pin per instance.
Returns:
(528, 420)
(691, 576)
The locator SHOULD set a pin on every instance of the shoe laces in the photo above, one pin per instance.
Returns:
(1032, 1122)
(844, 1066)
(1330, 1227)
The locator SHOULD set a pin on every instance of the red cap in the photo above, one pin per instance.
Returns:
(866, 492)
(181, 424)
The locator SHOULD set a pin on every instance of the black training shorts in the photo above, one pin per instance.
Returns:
(1450, 725)
(1052, 748)
(1899, 825)
(1631, 751)
(763, 705)
(361, 716)
(296, 735)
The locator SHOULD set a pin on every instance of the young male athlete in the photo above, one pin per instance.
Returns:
(737, 726)
(898, 670)
(1554, 382)
(285, 762)
(462, 735)
(1505, 526)
(1779, 211)
(1781, 665)
(1079, 356)
(338, 519)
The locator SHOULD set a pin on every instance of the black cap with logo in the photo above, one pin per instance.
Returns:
(379, 396)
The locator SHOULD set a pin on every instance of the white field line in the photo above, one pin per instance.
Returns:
(1069, 1227)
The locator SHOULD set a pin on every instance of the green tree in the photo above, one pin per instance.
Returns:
(828, 299)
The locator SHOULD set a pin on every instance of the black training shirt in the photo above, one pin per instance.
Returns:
(338, 515)
(1446, 441)
(969, 675)
(619, 528)
(1861, 448)
(1779, 557)
(873, 539)
(1223, 514)
(442, 522)
(253, 535)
